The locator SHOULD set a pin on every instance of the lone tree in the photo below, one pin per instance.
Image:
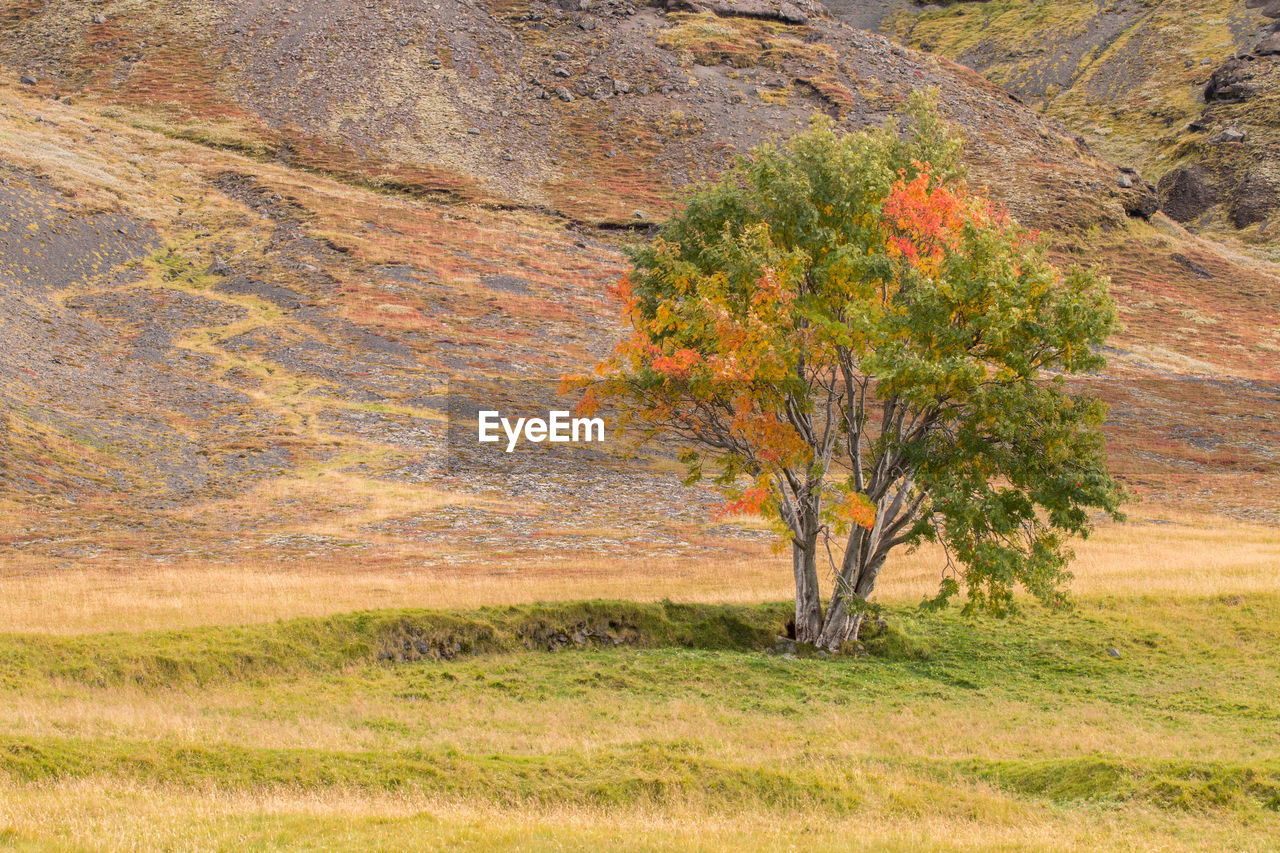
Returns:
(867, 350)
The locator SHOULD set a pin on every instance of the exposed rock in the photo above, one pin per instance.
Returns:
(1230, 134)
(1269, 46)
(506, 283)
(99, 18)
(219, 267)
(1186, 192)
(1141, 199)
(786, 12)
(612, 633)
(417, 646)
(1230, 82)
(564, 94)
(1191, 266)
(1142, 202)
(1255, 199)
(27, 80)
(1204, 122)
(790, 14)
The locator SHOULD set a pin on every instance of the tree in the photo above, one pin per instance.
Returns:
(867, 350)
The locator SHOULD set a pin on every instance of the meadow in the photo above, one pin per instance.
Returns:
(196, 708)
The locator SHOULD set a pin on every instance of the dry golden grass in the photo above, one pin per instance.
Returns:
(1173, 555)
(104, 814)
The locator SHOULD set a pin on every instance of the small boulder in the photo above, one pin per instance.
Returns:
(1231, 81)
(788, 13)
(1204, 122)
(1269, 46)
(1115, 653)
(1140, 198)
(27, 80)
(564, 94)
(1142, 204)
(1228, 135)
(99, 18)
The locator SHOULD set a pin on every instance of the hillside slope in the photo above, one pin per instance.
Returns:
(593, 114)
(1185, 92)
(277, 242)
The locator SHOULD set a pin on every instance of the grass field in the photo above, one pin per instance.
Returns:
(305, 726)
(1155, 553)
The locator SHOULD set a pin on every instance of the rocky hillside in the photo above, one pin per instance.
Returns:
(594, 113)
(1184, 92)
(246, 247)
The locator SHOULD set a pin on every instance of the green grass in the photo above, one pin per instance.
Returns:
(971, 724)
(298, 647)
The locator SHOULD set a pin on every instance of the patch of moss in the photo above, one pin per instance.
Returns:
(705, 39)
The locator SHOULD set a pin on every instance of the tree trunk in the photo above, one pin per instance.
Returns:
(841, 625)
(804, 556)
(845, 614)
(866, 583)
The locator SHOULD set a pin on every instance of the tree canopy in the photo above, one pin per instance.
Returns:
(857, 343)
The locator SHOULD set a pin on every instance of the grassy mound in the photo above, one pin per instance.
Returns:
(218, 654)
